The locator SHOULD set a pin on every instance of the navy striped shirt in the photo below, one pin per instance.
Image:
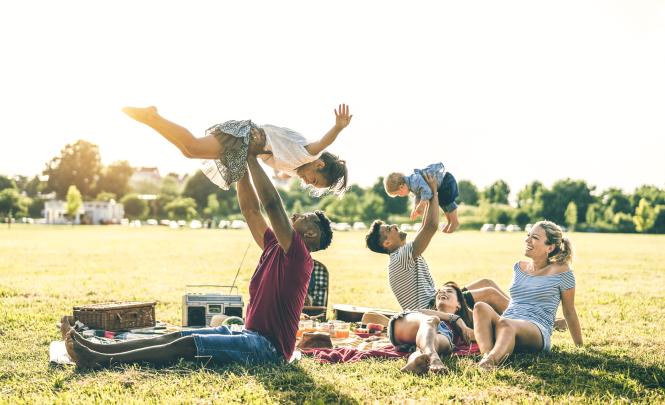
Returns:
(410, 279)
(536, 298)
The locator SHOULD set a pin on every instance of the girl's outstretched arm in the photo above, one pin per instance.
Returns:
(342, 119)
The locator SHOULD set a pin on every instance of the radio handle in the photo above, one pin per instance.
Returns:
(231, 287)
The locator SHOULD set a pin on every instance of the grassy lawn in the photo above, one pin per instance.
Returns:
(44, 271)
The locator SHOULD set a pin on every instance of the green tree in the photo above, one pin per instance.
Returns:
(79, 165)
(74, 202)
(645, 216)
(135, 208)
(571, 215)
(652, 194)
(396, 206)
(615, 198)
(468, 192)
(497, 192)
(345, 209)
(659, 221)
(12, 201)
(521, 217)
(6, 182)
(212, 209)
(181, 208)
(591, 214)
(106, 196)
(115, 178)
(623, 222)
(372, 207)
(555, 201)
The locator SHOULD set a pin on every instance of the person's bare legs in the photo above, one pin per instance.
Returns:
(129, 344)
(491, 296)
(453, 222)
(484, 319)
(484, 283)
(182, 348)
(206, 147)
(511, 335)
(421, 329)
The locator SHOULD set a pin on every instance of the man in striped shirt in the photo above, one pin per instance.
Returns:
(408, 274)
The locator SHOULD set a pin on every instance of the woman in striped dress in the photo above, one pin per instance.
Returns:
(539, 285)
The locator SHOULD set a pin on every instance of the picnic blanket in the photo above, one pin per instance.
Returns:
(355, 348)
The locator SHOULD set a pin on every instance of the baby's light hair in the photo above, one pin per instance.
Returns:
(393, 182)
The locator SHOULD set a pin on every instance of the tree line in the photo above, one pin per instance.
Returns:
(78, 174)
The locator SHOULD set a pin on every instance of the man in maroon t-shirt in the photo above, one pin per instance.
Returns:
(276, 293)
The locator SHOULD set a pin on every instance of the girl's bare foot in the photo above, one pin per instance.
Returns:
(144, 115)
(487, 363)
(65, 325)
(436, 366)
(417, 365)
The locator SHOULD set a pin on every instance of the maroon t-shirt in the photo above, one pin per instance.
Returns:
(277, 292)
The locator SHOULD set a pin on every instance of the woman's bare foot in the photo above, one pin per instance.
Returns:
(417, 365)
(560, 324)
(487, 363)
(65, 325)
(436, 366)
(144, 115)
(81, 355)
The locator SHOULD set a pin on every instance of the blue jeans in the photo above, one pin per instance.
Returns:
(448, 192)
(224, 346)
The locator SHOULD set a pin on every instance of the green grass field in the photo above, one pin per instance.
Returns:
(44, 271)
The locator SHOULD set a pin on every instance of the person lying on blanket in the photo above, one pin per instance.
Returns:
(408, 273)
(433, 333)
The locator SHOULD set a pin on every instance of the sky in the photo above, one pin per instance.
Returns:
(512, 90)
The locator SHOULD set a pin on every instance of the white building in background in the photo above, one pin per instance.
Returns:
(91, 212)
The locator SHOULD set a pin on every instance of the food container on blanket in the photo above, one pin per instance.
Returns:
(114, 316)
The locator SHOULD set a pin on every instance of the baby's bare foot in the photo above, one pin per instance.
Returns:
(417, 365)
(144, 115)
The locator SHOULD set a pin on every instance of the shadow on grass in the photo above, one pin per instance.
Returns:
(287, 383)
(589, 372)
(292, 384)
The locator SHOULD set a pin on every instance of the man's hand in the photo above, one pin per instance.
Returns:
(431, 182)
(257, 142)
(419, 209)
(342, 117)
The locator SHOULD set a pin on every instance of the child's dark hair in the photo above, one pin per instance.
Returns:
(335, 172)
(326, 230)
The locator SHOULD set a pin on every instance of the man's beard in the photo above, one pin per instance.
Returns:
(402, 235)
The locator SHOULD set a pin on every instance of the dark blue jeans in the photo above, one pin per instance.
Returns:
(448, 192)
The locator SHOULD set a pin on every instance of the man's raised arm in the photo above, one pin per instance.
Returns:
(272, 203)
(430, 220)
(251, 210)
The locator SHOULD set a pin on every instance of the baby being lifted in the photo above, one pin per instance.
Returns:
(399, 185)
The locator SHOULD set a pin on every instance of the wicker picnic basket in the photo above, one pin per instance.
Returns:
(116, 315)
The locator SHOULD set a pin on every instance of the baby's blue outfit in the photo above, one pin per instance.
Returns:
(536, 299)
(446, 186)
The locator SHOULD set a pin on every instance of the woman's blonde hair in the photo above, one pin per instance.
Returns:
(563, 248)
(393, 181)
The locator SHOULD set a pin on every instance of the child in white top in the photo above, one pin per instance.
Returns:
(225, 146)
